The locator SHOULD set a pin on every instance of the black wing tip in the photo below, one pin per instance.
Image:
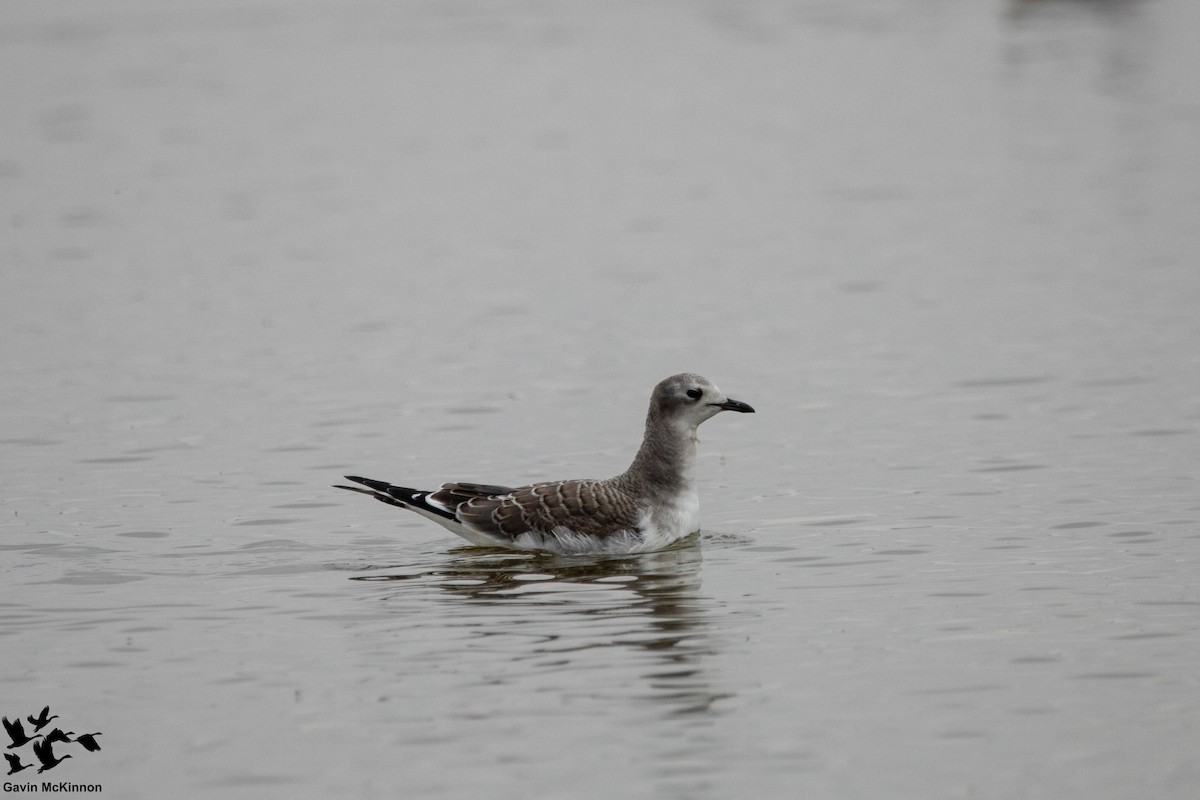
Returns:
(373, 486)
(377, 489)
(370, 483)
(399, 496)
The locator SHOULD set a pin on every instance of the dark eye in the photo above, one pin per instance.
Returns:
(695, 394)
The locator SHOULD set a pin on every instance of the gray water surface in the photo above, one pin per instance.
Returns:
(947, 251)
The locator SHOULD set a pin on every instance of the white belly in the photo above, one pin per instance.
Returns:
(673, 521)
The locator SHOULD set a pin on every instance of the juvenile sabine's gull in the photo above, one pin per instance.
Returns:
(646, 507)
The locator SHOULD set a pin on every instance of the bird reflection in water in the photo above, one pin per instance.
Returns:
(657, 593)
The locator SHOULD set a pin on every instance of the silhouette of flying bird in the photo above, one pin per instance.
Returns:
(57, 735)
(45, 753)
(42, 720)
(14, 763)
(16, 732)
(88, 740)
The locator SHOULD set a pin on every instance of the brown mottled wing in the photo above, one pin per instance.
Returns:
(452, 495)
(591, 508)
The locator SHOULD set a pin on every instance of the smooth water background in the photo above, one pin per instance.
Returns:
(947, 250)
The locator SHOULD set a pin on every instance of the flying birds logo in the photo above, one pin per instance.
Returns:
(42, 742)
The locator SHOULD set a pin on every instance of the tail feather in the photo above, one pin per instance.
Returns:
(399, 496)
(383, 498)
(379, 486)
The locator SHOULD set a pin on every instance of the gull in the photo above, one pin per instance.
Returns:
(647, 507)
